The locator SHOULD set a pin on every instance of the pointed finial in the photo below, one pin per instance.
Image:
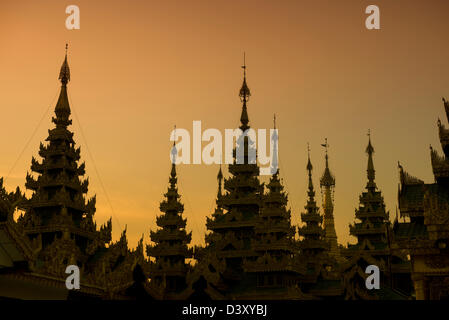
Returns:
(174, 153)
(327, 178)
(174, 135)
(326, 146)
(64, 74)
(369, 148)
(371, 173)
(220, 174)
(309, 168)
(244, 95)
(220, 179)
(309, 163)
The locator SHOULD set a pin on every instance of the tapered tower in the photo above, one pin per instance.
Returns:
(312, 233)
(372, 231)
(58, 220)
(232, 226)
(327, 184)
(169, 269)
(277, 266)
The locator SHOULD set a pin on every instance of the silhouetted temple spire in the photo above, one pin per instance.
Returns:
(371, 212)
(57, 215)
(313, 233)
(174, 153)
(244, 95)
(327, 179)
(220, 181)
(371, 173)
(311, 192)
(275, 160)
(327, 184)
(171, 240)
(64, 74)
(62, 109)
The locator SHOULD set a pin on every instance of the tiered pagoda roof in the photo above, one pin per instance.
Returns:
(58, 219)
(327, 184)
(232, 225)
(57, 226)
(313, 242)
(372, 230)
(274, 234)
(170, 250)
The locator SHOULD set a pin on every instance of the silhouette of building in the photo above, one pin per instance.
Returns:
(57, 227)
(373, 247)
(250, 249)
(425, 235)
(169, 270)
(322, 278)
(327, 184)
(277, 269)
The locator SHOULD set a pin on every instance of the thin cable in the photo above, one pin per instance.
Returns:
(95, 165)
(195, 223)
(31, 138)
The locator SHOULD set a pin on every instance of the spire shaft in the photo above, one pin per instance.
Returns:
(220, 180)
(62, 109)
(244, 95)
(327, 183)
(309, 167)
(371, 173)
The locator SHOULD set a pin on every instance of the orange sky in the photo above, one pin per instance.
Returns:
(140, 67)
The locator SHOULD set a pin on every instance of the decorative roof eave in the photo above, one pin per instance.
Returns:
(406, 178)
(440, 164)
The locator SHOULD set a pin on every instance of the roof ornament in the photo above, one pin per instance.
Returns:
(309, 168)
(371, 173)
(274, 168)
(64, 74)
(220, 181)
(327, 179)
(244, 90)
(174, 153)
(244, 95)
(446, 107)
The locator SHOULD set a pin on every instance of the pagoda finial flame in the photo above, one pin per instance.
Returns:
(244, 95)
(64, 74)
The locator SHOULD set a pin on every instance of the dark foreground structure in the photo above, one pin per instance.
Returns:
(251, 250)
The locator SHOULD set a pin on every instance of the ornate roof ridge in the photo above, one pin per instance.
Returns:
(406, 178)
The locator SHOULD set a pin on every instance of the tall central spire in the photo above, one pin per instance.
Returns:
(275, 159)
(371, 173)
(62, 109)
(327, 184)
(312, 232)
(311, 192)
(244, 95)
(327, 178)
(174, 153)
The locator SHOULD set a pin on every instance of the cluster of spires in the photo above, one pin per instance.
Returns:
(171, 241)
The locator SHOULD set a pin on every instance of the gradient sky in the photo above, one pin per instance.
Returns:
(140, 67)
